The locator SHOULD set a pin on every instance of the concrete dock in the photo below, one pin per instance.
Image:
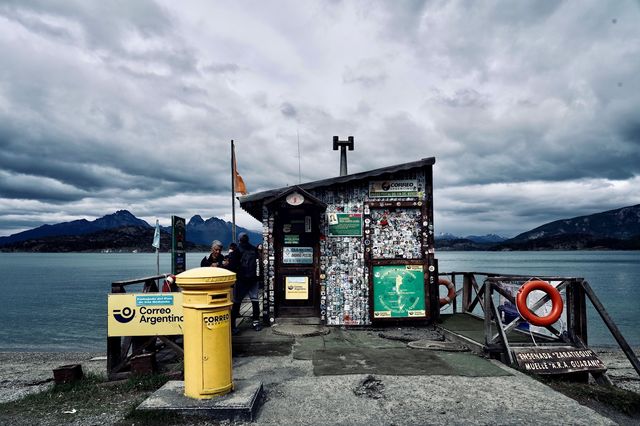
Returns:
(357, 377)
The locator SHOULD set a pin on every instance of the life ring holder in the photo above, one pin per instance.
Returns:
(451, 292)
(557, 305)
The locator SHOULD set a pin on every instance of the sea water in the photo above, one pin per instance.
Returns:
(58, 301)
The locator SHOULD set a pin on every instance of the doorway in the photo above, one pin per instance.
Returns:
(297, 242)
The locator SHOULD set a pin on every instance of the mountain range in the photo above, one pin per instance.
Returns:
(613, 229)
(126, 231)
(617, 229)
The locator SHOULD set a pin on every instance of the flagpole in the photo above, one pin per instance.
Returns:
(233, 191)
(156, 244)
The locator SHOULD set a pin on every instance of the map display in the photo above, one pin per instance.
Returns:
(398, 291)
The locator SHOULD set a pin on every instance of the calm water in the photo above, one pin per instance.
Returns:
(58, 302)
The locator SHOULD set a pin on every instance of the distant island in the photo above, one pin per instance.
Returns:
(121, 231)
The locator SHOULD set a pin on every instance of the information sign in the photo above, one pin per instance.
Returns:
(345, 224)
(144, 314)
(557, 360)
(291, 239)
(393, 188)
(291, 255)
(398, 291)
(296, 288)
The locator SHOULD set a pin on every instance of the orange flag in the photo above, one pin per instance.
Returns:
(239, 183)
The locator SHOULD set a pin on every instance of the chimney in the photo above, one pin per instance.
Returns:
(343, 152)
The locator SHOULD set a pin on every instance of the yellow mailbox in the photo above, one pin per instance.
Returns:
(207, 304)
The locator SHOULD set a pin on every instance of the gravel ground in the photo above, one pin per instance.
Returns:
(22, 373)
(619, 369)
(295, 396)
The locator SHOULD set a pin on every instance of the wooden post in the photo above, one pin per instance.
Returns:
(466, 292)
(487, 313)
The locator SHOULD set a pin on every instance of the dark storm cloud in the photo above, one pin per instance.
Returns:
(29, 187)
(531, 106)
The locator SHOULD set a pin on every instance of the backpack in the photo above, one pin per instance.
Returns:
(247, 267)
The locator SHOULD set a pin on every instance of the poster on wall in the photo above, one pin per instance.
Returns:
(398, 291)
(345, 224)
(393, 188)
(296, 288)
(297, 255)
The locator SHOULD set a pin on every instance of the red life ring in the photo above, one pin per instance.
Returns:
(556, 303)
(451, 293)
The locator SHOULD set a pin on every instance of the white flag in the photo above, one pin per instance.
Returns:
(156, 236)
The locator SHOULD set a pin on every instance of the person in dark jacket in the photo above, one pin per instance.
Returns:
(215, 258)
(242, 261)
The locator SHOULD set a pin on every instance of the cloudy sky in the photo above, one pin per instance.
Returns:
(531, 108)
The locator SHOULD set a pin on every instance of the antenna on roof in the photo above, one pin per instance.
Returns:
(299, 174)
(343, 152)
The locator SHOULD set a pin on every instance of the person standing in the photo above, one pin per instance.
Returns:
(215, 258)
(242, 261)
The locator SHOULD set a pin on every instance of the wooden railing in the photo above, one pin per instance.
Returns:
(479, 300)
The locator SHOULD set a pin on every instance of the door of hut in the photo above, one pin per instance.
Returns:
(297, 238)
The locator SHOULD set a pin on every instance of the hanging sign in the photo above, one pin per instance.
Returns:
(144, 314)
(398, 291)
(296, 288)
(557, 360)
(302, 255)
(393, 188)
(345, 224)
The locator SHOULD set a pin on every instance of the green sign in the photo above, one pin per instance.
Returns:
(398, 291)
(178, 239)
(292, 239)
(345, 224)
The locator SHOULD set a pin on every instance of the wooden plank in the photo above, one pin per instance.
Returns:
(631, 356)
(137, 280)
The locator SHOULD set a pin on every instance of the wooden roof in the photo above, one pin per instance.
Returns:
(253, 203)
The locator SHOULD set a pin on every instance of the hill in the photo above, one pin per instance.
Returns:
(77, 227)
(618, 224)
(202, 231)
(617, 229)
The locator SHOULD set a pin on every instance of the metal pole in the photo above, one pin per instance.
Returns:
(233, 193)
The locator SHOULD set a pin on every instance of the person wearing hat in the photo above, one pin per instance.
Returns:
(243, 262)
(215, 258)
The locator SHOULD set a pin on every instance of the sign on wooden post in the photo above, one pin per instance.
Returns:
(557, 360)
